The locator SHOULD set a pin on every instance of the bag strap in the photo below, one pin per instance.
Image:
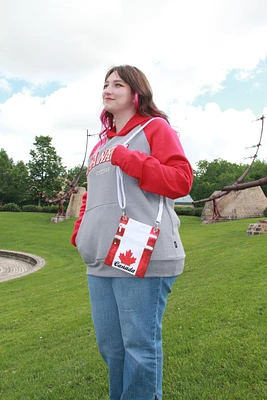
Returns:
(120, 185)
(140, 129)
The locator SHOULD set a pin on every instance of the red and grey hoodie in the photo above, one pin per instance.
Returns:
(153, 164)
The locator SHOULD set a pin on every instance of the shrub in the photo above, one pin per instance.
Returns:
(10, 207)
(50, 209)
(198, 211)
(265, 212)
(30, 208)
(188, 211)
(45, 209)
(38, 209)
(183, 210)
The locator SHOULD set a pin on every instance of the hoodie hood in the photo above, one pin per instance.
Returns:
(136, 120)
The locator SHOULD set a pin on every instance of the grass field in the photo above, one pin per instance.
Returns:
(215, 325)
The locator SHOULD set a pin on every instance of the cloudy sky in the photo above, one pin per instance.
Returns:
(206, 61)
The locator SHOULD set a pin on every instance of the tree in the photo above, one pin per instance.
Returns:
(213, 175)
(241, 183)
(13, 180)
(46, 172)
(257, 172)
(73, 173)
(5, 179)
(19, 178)
(218, 174)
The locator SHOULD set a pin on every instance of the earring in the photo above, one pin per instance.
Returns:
(136, 101)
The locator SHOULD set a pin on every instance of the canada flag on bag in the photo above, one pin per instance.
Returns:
(132, 247)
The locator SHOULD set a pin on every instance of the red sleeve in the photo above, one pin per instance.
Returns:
(166, 171)
(78, 222)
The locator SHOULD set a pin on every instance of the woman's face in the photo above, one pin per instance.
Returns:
(117, 95)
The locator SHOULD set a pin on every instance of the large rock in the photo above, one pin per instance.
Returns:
(75, 202)
(242, 204)
(258, 228)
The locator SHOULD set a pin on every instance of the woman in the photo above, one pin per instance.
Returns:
(127, 310)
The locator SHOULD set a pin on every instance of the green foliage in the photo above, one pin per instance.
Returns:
(198, 211)
(45, 177)
(73, 173)
(193, 211)
(46, 172)
(212, 176)
(183, 210)
(13, 180)
(214, 328)
(258, 171)
(44, 209)
(30, 208)
(10, 207)
(19, 185)
(50, 209)
(5, 179)
(265, 212)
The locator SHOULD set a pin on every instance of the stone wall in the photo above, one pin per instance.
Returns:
(75, 203)
(257, 229)
(248, 203)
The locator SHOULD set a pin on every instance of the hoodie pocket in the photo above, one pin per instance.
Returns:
(96, 232)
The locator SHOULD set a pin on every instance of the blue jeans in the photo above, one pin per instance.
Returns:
(127, 315)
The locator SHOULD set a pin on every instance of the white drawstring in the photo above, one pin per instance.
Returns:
(159, 216)
(120, 189)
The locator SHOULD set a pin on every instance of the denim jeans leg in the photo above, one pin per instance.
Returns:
(108, 333)
(127, 315)
(141, 304)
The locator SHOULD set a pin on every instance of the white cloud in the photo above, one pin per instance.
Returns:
(210, 133)
(5, 86)
(64, 39)
(65, 115)
(185, 49)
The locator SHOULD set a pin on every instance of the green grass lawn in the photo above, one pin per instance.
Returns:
(215, 325)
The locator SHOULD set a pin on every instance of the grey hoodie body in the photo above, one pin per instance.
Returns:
(102, 215)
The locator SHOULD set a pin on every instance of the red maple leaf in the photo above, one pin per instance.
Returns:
(127, 258)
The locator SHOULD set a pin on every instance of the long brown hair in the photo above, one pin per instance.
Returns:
(140, 86)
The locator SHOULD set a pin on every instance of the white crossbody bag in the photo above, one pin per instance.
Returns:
(134, 241)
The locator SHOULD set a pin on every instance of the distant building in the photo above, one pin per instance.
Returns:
(184, 201)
